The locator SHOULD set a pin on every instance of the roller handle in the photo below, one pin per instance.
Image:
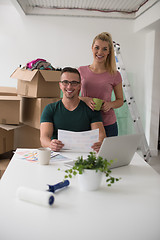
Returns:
(53, 188)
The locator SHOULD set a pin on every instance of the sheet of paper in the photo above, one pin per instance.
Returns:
(78, 141)
(32, 155)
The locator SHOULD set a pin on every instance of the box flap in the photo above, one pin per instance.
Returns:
(50, 76)
(8, 91)
(23, 74)
(10, 127)
(10, 98)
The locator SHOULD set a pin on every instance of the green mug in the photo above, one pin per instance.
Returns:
(98, 103)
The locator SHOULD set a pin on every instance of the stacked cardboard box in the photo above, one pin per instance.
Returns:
(37, 88)
(31, 110)
(37, 83)
(6, 139)
(21, 109)
(8, 91)
(9, 114)
(3, 165)
(10, 109)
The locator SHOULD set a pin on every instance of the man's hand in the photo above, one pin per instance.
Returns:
(56, 145)
(96, 146)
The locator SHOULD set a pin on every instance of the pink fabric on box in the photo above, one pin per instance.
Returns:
(30, 64)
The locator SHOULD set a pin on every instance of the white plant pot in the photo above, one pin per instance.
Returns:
(89, 180)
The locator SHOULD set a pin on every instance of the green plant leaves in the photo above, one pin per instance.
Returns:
(94, 163)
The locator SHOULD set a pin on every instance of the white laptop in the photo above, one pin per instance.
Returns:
(120, 149)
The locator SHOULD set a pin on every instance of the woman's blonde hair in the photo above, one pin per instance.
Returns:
(110, 61)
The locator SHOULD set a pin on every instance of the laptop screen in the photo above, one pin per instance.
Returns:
(120, 149)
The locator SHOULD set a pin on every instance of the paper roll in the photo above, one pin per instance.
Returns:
(43, 198)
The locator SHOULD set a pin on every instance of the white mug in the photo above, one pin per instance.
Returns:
(44, 156)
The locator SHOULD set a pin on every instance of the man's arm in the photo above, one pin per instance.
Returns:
(102, 134)
(46, 131)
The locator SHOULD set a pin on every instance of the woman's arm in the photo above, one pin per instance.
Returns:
(118, 101)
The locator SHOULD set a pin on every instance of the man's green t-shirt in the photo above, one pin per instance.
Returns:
(78, 120)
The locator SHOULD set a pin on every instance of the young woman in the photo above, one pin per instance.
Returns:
(100, 78)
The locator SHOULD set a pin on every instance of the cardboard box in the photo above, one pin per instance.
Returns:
(31, 110)
(37, 83)
(26, 137)
(10, 109)
(6, 140)
(7, 155)
(1, 173)
(3, 165)
(8, 91)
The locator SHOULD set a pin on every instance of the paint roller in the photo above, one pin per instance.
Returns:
(44, 198)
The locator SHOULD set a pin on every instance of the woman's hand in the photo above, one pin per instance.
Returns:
(106, 106)
(89, 101)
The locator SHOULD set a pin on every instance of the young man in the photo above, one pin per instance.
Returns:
(70, 113)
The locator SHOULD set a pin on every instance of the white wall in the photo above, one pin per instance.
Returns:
(155, 103)
(66, 41)
(149, 23)
(149, 65)
(60, 40)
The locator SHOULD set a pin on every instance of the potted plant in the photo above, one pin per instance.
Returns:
(90, 172)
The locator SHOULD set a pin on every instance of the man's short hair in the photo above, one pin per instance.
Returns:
(71, 70)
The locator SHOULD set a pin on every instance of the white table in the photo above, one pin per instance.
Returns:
(129, 210)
